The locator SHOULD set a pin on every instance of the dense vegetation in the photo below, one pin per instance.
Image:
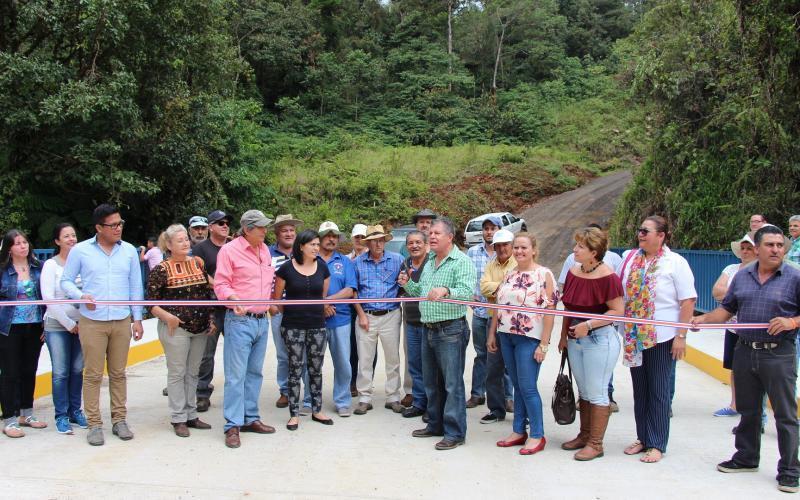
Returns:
(723, 79)
(365, 109)
(171, 107)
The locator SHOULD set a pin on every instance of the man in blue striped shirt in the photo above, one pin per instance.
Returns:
(107, 269)
(377, 272)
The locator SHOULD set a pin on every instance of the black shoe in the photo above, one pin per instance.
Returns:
(788, 484)
(203, 404)
(731, 466)
(491, 418)
(425, 433)
(164, 392)
(413, 412)
(446, 444)
(323, 421)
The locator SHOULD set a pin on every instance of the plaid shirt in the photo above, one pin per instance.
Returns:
(457, 273)
(753, 302)
(480, 257)
(794, 252)
(378, 280)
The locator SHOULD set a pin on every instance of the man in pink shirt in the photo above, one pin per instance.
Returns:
(245, 271)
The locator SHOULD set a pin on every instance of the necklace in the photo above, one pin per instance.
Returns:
(584, 271)
(21, 269)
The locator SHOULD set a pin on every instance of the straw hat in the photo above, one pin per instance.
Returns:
(376, 232)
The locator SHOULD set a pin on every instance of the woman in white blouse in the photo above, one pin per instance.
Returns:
(61, 335)
(658, 284)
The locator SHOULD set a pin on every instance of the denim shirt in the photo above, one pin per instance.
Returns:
(8, 291)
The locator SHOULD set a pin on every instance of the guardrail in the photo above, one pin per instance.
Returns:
(706, 266)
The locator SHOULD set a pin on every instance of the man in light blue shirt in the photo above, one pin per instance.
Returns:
(107, 268)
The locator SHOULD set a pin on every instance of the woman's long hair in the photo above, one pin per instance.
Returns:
(8, 242)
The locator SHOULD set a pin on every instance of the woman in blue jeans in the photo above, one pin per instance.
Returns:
(593, 346)
(61, 335)
(524, 340)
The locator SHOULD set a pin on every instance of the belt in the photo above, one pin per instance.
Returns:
(760, 345)
(441, 324)
(256, 315)
(378, 312)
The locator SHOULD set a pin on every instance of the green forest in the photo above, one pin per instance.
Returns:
(365, 110)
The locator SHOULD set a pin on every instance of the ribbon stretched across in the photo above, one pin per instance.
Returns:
(269, 302)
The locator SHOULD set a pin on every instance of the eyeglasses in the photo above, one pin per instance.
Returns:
(222, 223)
(116, 225)
(644, 231)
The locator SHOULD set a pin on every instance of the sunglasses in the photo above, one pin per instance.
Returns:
(644, 231)
(116, 225)
(222, 223)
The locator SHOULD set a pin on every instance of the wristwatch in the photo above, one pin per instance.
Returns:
(544, 347)
(681, 335)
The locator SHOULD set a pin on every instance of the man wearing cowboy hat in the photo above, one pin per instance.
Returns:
(285, 229)
(377, 273)
(343, 285)
(423, 220)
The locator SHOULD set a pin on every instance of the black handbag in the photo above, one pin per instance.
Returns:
(563, 396)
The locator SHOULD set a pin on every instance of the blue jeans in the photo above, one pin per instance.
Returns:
(282, 372)
(524, 370)
(479, 327)
(592, 360)
(67, 360)
(245, 347)
(444, 348)
(414, 337)
(339, 343)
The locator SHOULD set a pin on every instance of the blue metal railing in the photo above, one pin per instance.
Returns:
(43, 253)
(706, 266)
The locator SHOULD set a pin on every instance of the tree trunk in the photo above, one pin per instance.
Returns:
(497, 57)
(450, 42)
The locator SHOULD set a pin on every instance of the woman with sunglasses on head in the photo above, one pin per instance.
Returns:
(61, 335)
(658, 284)
(20, 333)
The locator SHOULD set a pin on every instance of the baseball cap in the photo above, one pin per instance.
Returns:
(503, 236)
(254, 218)
(218, 215)
(328, 227)
(494, 220)
(359, 230)
(198, 221)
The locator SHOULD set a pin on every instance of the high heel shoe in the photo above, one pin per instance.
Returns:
(533, 451)
(512, 442)
(323, 421)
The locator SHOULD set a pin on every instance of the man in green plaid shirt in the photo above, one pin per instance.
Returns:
(448, 274)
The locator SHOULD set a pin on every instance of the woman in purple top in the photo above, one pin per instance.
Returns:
(593, 346)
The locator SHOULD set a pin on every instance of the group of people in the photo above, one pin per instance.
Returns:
(648, 282)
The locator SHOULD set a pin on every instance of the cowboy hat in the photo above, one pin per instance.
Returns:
(376, 232)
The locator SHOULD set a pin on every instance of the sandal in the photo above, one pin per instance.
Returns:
(13, 431)
(32, 422)
(635, 448)
(651, 456)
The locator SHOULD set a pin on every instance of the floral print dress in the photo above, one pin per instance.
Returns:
(524, 288)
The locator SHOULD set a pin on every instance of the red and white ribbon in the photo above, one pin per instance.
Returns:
(270, 302)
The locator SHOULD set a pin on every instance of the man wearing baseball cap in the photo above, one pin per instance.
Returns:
(219, 228)
(423, 220)
(499, 388)
(198, 229)
(343, 285)
(245, 271)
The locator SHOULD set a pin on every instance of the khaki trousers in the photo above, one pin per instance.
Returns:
(105, 342)
(387, 329)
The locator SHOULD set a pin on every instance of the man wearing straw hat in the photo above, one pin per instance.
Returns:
(377, 272)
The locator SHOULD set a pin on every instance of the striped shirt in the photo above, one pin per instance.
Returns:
(479, 257)
(457, 273)
(378, 280)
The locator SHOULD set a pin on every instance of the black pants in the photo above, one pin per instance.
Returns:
(206, 374)
(652, 383)
(19, 358)
(774, 371)
(495, 383)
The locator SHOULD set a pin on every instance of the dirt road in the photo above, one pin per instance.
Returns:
(555, 219)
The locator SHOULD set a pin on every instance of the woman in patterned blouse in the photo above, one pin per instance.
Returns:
(182, 330)
(524, 340)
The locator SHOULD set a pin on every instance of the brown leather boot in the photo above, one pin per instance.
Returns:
(586, 418)
(597, 430)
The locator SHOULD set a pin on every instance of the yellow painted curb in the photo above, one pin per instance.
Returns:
(713, 367)
(137, 354)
